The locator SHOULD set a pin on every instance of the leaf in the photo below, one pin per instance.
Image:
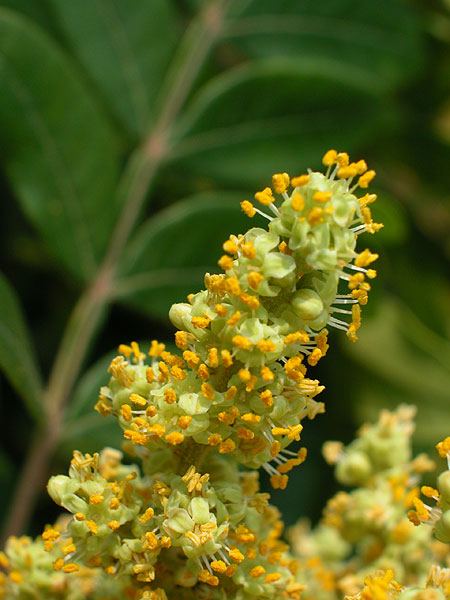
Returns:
(17, 358)
(275, 115)
(171, 252)
(407, 362)
(125, 47)
(382, 39)
(59, 151)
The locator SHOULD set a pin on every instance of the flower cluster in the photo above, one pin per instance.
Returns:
(367, 530)
(187, 522)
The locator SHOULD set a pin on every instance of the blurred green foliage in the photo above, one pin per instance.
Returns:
(160, 116)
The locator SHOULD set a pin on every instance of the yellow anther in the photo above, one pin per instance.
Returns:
(371, 273)
(214, 439)
(181, 340)
(361, 167)
(226, 357)
(280, 182)
(151, 411)
(429, 492)
(275, 448)
(314, 357)
(70, 568)
(257, 571)
(92, 526)
(244, 375)
(271, 577)
(51, 534)
(279, 431)
(299, 181)
(233, 287)
(230, 247)
(235, 317)
(342, 159)
(265, 197)
(113, 504)
(294, 432)
(96, 499)
(266, 398)
(174, 438)
(221, 310)
(191, 358)
(149, 375)
(255, 279)
(249, 299)
(248, 208)
(297, 202)
(284, 248)
(347, 172)
(201, 322)
(138, 399)
(219, 566)
(231, 392)
(267, 374)
(58, 564)
(444, 448)
(241, 342)
(207, 391)
(125, 411)
(266, 346)
(156, 349)
(213, 358)
(279, 482)
(184, 421)
(366, 178)
(125, 350)
(315, 215)
(170, 396)
(322, 197)
(225, 262)
(245, 434)
(251, 418)
(365, 258)
(248, 250)
(178, 373)
(203, 372)
(69, 548)
(113, 525)
(236, 555)
(145, 518)
(329, 158)
(227, 446)
(79, 516)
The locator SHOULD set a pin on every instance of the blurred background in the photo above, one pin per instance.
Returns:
(130, 131)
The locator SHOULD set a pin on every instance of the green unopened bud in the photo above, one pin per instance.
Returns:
(307, 304)
(353, 469)
(178, 521)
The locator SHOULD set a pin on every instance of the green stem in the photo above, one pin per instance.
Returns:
(87, 313)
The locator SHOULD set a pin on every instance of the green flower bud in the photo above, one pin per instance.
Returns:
(307, 304)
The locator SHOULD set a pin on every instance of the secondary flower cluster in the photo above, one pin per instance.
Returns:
(366, 530)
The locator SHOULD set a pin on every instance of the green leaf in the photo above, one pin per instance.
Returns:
(171, 252)
(59, 151)
(275, 115)
(406, 362)
(382, 38)
(17, 358)
(125, 47)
